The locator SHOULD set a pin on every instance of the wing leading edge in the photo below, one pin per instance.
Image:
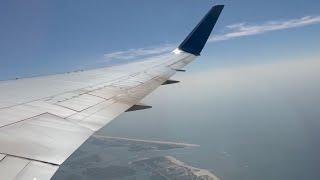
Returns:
(44, 120)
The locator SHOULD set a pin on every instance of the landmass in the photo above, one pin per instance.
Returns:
(141, 145)
(117, 158)
(167, 168)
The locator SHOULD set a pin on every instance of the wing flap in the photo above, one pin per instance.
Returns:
(97, 116)
(37, 171)
(25, 111)
(107, 92)
(21, 169)
(10, 166)
(46, 138)
(81, 102)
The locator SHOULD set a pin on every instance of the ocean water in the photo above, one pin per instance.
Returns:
(260, 122)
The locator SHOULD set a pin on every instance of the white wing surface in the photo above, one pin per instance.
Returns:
(43, 120)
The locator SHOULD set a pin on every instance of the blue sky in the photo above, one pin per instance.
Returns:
(44, 37)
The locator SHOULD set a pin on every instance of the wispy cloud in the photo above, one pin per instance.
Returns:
(244, 29)
(231, 32)
(140, 52)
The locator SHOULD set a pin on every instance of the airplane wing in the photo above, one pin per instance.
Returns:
(43, 120)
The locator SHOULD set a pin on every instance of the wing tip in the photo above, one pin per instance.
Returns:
(196, 40)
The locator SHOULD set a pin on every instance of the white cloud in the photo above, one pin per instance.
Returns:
(231, 32)
(244, 29)
(140, 52)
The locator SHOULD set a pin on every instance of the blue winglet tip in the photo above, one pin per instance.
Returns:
(197, 39)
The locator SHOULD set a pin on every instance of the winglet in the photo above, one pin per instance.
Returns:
(196, 40)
